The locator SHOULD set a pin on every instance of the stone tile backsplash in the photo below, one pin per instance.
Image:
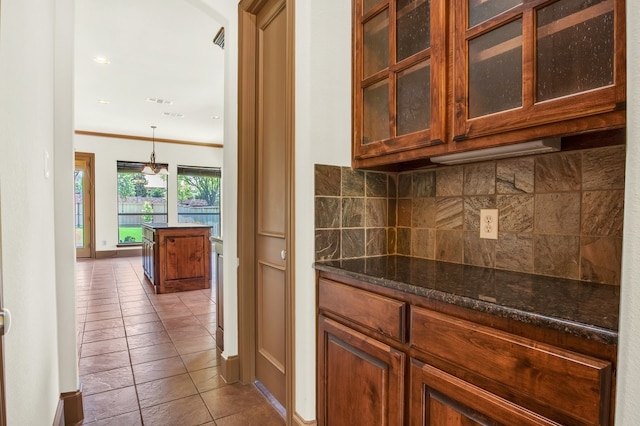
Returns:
(560, 214)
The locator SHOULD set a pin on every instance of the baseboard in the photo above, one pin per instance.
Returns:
(58, 419)
(70, 411)
(297, 420)
(104, 254)
(230, 368)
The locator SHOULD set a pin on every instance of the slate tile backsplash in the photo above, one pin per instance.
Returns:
(560, 214)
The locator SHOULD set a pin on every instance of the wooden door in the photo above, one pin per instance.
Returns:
(84, 205)
(360, 380)
(438, 398)
(271, 206)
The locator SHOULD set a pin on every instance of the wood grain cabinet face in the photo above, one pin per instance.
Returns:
(398, 76)
(449, 370)
(438, 398)
(521, 64)
(360, 380)
(566, 386)
(441, 76)
(357, 305)
(177, 258)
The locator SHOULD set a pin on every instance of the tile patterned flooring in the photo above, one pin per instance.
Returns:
(150, 359)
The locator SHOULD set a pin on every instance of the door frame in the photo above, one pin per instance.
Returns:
(247, 196)
(90, 159)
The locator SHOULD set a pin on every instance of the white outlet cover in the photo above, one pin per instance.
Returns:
(489, 224)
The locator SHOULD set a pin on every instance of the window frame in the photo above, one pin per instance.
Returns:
(214, 172)
(135, 167)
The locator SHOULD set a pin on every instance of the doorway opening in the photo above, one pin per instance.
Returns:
(84, 205)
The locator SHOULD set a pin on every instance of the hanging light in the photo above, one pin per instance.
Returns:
(151, 168)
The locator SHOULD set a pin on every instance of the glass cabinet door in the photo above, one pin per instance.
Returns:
(520, 63)
(397, 71)
(575, 48)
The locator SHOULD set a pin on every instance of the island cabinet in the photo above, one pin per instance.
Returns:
(438, 77)
(386, 357)
(177, 258)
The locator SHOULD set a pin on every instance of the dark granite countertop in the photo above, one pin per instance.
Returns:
(581, 308)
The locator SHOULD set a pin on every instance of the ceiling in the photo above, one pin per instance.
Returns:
(157, 49)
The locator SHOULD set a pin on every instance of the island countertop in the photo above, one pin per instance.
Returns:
(175, 225)
(584, 309)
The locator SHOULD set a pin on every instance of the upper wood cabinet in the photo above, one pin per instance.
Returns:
(442, 76)
(399, 77)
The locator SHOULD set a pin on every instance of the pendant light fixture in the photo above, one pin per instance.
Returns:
(151, 168)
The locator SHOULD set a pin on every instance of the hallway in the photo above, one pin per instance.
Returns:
(148, 359)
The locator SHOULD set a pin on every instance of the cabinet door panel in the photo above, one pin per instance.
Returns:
(495, 70)
(399, 78)
(480, 11)
(536, 69)
(360, 380)
(412, 27)
(185, 257)
(529, 370)
(575, 47)
(376, 40)
(438, 398)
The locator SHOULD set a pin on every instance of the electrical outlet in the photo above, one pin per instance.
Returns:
(489, 223)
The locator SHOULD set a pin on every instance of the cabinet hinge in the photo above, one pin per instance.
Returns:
(620, 106)
(459, 138)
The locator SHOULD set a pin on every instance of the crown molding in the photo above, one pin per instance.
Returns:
(146, 139)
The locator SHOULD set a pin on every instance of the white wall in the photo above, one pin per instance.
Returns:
(110, 150)
(628, 387)
(322, 136)
(65, 251)
(29, 272)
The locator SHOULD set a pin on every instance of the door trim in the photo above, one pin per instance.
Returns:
(247, 191)
(90, 159)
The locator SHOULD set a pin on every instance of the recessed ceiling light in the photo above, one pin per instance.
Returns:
(101, 60)
(103, 101)
(216, 117)
(159, 101)
(173, 114)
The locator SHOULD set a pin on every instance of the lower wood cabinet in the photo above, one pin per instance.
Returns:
(438, 399)
(361, 380)
(389, 358)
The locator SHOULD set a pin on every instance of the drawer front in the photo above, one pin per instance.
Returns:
(148, 233)
(378, 313)
(578, 386)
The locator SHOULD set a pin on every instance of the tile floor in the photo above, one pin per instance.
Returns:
(148, 359)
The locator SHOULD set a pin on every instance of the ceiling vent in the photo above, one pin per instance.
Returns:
(159, 101)
(219, 38)
(173, 114)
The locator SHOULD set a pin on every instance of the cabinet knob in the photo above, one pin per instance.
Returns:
(283, 254)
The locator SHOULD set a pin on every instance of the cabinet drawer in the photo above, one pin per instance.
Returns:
(378, 313)
(574, 386)
(148, 234)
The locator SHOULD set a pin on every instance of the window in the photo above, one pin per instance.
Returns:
(199, 196)
(141, 199)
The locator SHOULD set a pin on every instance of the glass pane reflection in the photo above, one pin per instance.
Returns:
(495, 70)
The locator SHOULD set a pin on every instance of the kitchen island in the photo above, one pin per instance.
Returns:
(177, 257)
